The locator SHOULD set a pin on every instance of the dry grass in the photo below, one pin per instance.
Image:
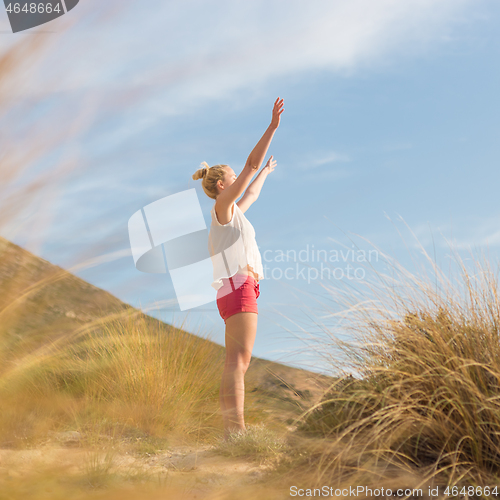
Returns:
(425, 401)
(257, 441)
(135, 375)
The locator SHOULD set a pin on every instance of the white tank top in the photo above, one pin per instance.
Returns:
(232, 247)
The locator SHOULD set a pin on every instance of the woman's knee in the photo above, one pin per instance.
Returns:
(237, 365)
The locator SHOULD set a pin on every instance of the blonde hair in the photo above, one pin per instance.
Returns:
(210, 176)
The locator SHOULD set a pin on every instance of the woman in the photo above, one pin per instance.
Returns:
(237, 274)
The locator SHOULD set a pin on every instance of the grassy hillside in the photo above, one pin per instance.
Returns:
(73, 354)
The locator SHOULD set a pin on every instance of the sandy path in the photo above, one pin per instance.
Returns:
(197, 470)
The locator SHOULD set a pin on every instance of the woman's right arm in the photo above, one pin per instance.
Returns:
(253, 163)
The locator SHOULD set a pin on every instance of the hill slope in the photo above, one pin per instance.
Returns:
(40, 302)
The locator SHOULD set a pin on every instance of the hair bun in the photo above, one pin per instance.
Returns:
(202, 172)
(205, 168)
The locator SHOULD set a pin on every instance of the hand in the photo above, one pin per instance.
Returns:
(269, 167)
(277, 110)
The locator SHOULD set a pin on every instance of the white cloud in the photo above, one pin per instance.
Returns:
(323, 164)
(480, 233)
(465, 234)
(173, 57)
(328, 158)
(209, 48)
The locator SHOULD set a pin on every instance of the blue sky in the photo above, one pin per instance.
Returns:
(390, 127)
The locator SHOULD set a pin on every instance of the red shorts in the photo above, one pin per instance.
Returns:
(237, 294)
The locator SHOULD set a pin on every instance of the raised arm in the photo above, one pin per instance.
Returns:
(235, 190)
(259, 152)
(253, 191)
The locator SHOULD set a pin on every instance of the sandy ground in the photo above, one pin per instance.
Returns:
(197, 470)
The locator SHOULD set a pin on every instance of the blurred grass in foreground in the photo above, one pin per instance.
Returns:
(131, 372)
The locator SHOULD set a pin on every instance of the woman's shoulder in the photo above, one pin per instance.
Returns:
(215, 203)
(235, 213)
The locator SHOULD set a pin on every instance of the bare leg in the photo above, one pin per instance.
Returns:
(223, 405)
(241, 329)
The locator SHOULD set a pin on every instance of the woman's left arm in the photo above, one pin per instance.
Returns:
(253, 190)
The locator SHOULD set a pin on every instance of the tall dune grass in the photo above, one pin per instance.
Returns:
(131, 372)
(426, 392)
